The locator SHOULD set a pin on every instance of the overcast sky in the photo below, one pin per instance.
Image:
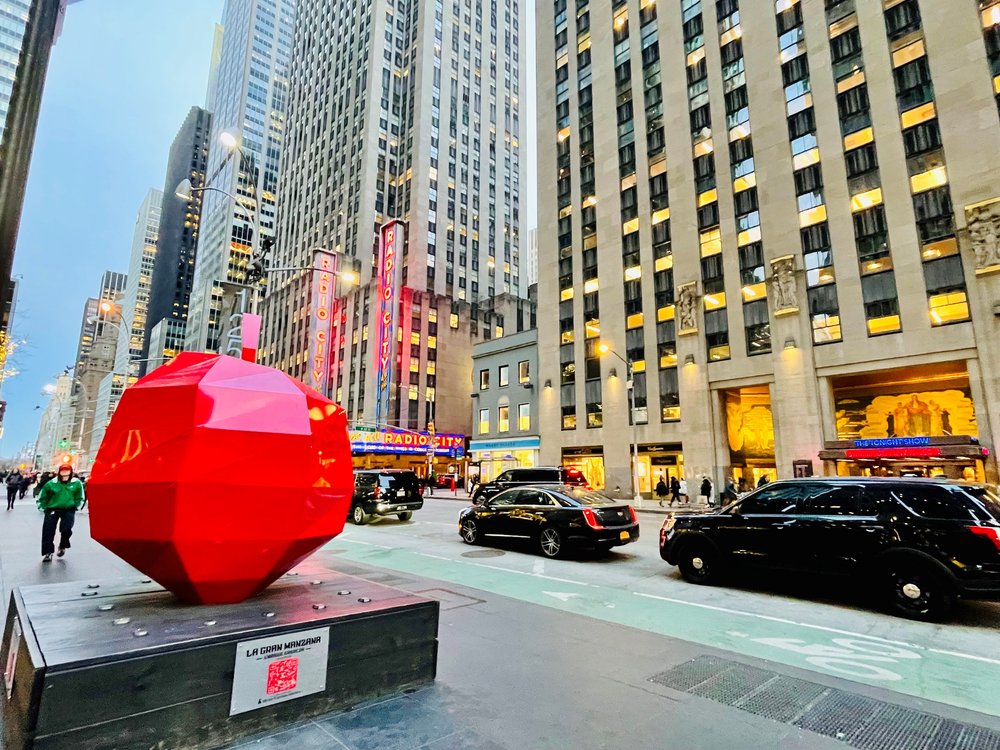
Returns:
(122, 77)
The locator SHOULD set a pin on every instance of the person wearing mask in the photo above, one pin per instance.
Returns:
(13, 487)
(60, 498)
(661, 491)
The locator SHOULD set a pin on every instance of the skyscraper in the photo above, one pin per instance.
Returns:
(28, 30)
(827, 307)
(135, 304)
(173, 270)
(100, 327)
(249, 102)
(407, 112)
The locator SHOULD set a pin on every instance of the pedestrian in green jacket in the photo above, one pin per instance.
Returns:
(60, 498)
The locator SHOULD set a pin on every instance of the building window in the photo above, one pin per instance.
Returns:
(484, 421)
(881, 303)
(503, 419)
(523, 372)
(524, 417)
(484, 380)
(946, 290)
(504, 376)
(758, 327)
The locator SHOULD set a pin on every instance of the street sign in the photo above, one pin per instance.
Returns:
(279, 668)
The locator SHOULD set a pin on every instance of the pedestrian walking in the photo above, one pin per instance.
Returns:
(22, 490)
(43, 479)
(60, 498)
(762, 481)
(741, 487)
(661, 491)
(13, 487)
(675, 491)
(706, 490)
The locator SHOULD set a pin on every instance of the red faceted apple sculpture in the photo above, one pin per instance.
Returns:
(216, 476)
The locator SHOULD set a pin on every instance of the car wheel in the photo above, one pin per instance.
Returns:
(698, 563)
(918, 592)
(358, 515)
(470, 532)
(550, 541)
(405, 515)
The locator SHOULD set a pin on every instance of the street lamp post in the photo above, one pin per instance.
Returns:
(605, 349)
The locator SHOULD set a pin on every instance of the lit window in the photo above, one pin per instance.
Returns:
(414, 365)
(504, 376)
(805, 159)
(826, 328)
(749, 236)
(567, 337)
(703, 148)
(745, 182)
(633, 273)
(660, 216)
(432, 342)
(888, 324)
(415, 337)
(453, 320)
(484, 421)
(846, 84)
(991, 16)
(918, 115)
(711, 242)
(754, 291)
(909, 53)
(590, 286)
(869, 198)
(524, 417)
(566, 294)
(630, 226)
(665, 313)
(432, 315)
(812, 216)
(484, 380)
(709, 196)
(932, 178)
(952, 307)
(523, 372)
(715, 301)
(665, 263)
(503, 419)
(628, 182)
(658, 167)
(431, 368)
(695, 57)
(592, 329)
(634, 321)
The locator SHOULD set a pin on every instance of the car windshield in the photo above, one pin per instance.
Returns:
(988, 498)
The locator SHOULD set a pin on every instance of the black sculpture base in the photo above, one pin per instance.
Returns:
(124, 665)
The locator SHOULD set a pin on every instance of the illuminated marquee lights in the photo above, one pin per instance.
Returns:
(319, 344)
(392, 235)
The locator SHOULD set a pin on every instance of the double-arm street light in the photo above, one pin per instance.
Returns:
(603, 349)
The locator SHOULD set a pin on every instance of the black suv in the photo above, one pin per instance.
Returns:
(386, 492)
(921, 542)
(525, 477)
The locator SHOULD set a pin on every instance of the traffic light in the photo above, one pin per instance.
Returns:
(67, 459)
(64, 443)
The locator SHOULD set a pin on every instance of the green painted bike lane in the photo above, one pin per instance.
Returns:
(964, 680)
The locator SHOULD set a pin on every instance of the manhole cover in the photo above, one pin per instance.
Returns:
(484, 553)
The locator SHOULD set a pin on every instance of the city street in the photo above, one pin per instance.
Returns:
(618, 651)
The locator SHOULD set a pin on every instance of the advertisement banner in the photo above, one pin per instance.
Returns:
(396, 441)
(390, 248)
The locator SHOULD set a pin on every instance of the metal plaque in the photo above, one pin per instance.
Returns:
(280, 668)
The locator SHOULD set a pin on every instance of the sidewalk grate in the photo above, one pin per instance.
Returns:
(854, 719)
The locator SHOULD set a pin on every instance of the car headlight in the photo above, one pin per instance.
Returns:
(381, 506)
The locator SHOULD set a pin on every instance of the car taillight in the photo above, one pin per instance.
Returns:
(592, 520)
(631, 511)
(990, 532)
(376, 492)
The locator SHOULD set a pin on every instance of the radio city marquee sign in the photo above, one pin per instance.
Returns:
(322, 318)
(391, 441)
(389, 249)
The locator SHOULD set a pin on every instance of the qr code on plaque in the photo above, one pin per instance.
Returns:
(282, 675)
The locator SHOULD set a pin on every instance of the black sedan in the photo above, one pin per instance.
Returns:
(552, 518)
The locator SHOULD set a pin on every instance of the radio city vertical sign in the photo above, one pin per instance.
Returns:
(390, 249)
(321, 325)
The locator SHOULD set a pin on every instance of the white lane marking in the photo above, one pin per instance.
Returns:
(367, 544)
(563, 596)
(824, 628)
(538, 568)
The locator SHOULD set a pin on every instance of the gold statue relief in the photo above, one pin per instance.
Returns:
(921, 414)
